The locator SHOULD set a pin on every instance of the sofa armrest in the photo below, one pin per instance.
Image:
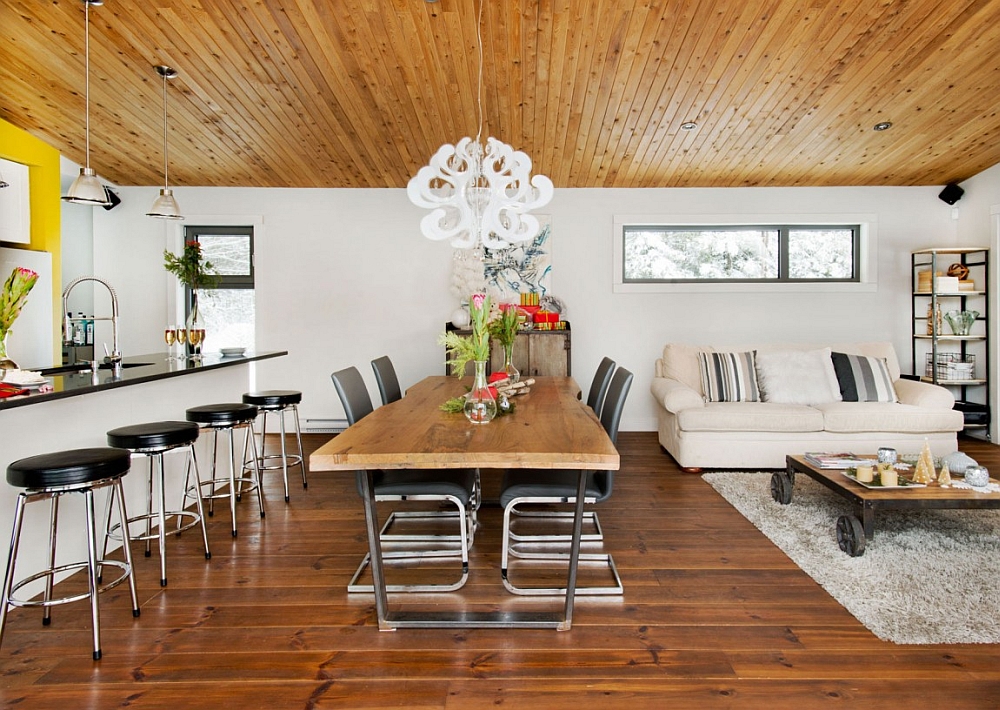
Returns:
(924, 394)
(674, 395)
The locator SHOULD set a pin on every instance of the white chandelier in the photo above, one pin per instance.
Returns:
(479, 195)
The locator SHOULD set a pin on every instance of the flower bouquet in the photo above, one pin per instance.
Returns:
(480, 404)
(12, 300)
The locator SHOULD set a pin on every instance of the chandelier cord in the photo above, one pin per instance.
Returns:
(479, 96)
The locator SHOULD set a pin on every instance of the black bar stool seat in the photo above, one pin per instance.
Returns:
(154, 436)
(278, 402)
(273, 399)
(220, 418)
(68, 468)
(51, 476)
(153, 440)
(222, 415)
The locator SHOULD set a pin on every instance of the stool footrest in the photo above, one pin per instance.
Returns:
(71, 567)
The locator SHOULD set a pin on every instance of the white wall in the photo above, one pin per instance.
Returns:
(344, 276)
(979, 225)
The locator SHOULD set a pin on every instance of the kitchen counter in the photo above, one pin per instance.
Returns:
(67, 382)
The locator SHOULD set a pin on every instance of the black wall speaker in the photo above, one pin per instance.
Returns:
(114, 200)
(951, 193)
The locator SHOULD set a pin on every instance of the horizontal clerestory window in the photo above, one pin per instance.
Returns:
(783, 253)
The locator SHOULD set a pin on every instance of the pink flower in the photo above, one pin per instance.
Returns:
(478, 299)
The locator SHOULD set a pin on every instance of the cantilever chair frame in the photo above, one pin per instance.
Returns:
(357, 404)
(595, 400)
(611, 412)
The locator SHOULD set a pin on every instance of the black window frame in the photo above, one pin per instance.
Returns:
(783, 231)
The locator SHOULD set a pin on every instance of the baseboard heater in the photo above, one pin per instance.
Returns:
(324, 426)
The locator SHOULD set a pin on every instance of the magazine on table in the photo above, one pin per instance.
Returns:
(842, 460)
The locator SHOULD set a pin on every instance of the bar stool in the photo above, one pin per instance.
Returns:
(52, 476)
(152, 440)
(227, 417)
(278, 402)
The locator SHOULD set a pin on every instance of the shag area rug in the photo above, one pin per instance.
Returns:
(926, 577)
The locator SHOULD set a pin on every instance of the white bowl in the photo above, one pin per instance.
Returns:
(232, 352)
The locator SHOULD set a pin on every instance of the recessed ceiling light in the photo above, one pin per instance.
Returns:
(688, 126)
(882, 126)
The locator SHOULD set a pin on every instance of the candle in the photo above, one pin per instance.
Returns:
(889, 476)
(865, 474)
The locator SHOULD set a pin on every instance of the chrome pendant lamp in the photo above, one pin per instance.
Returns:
(479, 196)
(87, 189)
(165, 206)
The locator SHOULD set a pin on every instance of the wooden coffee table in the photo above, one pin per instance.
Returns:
(854, 530)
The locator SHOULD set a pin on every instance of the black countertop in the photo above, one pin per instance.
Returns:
(135, 370)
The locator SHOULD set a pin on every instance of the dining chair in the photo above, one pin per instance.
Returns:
(554, 487)
(385, 376)
(454, 486)
(599, 387)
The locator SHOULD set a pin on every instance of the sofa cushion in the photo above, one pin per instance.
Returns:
(729, 377)
(850, 417)
(798, 377)
(750, 416)
(863, 379)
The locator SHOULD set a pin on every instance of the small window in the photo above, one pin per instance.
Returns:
(229, 309)
(740, 253)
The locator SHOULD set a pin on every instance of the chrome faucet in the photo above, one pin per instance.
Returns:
(115, 357)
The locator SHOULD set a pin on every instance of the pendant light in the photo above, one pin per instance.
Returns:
(479, 196)
(165, 206)
(87, 189)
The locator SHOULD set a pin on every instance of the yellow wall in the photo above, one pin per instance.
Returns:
(43, 175)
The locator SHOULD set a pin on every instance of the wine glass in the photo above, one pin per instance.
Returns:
(181, 335)
(195, 336)
(170, 337)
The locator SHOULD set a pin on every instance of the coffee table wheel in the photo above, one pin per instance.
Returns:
(851, 535)
(781, 487)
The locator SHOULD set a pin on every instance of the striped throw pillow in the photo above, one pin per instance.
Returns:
(729, 377)
(863, 378)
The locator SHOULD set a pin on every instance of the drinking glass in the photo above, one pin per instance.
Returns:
(195, 336)
(181, 335)
(170, 337)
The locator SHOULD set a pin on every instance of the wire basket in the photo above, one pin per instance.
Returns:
(951, 366)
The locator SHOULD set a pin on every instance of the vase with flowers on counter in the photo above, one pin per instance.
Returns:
(12, 300)
(195, 272)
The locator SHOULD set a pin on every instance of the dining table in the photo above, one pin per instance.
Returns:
(550, 428)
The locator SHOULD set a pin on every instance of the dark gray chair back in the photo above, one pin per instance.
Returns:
(353, 394)
(611, 416)
(385, 375)
(599, 387)
(614, 403)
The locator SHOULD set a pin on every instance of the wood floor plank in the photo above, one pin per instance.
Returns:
(714, 615)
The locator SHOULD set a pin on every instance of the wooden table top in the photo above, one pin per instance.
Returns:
(913, 494)
(550, 428)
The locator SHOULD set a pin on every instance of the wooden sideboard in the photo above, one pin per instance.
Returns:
(536, 352)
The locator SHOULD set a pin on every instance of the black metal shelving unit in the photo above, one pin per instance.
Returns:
(941, 356)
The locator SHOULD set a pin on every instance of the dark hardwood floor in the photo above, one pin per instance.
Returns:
(713, 616)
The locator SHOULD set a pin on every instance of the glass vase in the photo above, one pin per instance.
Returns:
(5, 362)
(480, 404)
(195, 329)
(508, 363)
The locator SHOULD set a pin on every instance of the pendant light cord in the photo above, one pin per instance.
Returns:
(166, 181)
(86, 4)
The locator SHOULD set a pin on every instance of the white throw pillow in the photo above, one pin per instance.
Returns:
(798, 377)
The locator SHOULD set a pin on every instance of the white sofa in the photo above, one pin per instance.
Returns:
(703, 434)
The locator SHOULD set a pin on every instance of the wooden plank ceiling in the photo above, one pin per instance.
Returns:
(360, 93)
